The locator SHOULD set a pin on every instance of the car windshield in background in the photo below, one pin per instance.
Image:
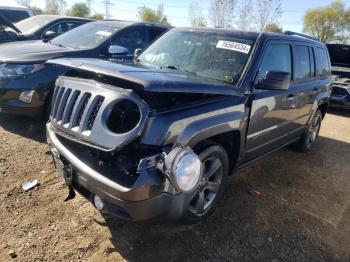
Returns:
(32, 24)
(87, 36)
(211, 55)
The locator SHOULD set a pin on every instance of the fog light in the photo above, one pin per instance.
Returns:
(26, 96)
(98, 202)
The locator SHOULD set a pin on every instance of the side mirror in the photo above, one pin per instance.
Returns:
(49, 34)
(275, 80)
(137, 51)
(117, 50)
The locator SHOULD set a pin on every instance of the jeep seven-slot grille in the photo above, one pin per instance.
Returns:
(75, 109)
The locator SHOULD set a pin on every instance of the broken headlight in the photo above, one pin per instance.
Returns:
(184, 168)
(15, 70)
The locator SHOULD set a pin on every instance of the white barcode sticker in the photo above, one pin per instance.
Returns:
(234, 46)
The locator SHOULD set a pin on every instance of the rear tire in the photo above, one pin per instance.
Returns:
(311, 133)
(215, 163)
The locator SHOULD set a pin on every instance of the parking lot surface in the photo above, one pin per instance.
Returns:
(300, 210)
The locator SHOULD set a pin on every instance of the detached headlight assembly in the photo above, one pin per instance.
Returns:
(184, 168)
(16, 70)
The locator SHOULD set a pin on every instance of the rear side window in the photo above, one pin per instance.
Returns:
(323, 66)
(14, 15)
(302, 63)
(277, 57)
(131, 38)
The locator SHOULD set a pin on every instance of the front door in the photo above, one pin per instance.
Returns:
(272, 110)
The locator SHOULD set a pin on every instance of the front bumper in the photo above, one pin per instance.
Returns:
(147, 199)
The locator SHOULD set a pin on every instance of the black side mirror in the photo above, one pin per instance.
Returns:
(137, 51)
(275, 80)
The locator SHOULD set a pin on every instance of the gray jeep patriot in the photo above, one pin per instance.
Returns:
(156, 138)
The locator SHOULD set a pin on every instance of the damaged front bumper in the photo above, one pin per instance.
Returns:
(151, 196)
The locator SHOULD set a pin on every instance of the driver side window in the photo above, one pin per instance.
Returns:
(131, 38)
(277, 57)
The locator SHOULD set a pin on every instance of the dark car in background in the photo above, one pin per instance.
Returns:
(26, 82)
(14, 12)
(340, 60)
(40, 27)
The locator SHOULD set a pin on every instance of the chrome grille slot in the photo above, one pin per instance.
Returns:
(80, 109)
(67, 114)
(96, 105)
(57, 102)
(62, 104)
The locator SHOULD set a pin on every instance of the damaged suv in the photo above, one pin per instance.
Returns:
(158, 137)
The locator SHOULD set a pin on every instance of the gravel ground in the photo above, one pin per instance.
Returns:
(302, 214)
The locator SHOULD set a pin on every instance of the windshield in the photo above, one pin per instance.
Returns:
(211, 55)
(32, 24)
(87, 36)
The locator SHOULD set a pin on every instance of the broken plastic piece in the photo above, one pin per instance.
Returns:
(27, 185)
(254, 192)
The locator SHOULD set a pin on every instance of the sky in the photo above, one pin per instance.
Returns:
(177, 10)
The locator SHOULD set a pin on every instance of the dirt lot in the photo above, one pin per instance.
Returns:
(302, 214)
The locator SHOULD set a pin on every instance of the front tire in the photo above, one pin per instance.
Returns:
(311, 133)
(215, 163)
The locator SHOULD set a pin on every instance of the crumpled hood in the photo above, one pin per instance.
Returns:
(32, 51)
(152, 80)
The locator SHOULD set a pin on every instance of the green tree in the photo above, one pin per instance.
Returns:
(55, 7)
(36, 10)
(328, 23)
(273, 27)
(79, 10)
(97, 16)
(148, 14)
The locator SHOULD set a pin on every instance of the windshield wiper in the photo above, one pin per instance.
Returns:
(178, 69)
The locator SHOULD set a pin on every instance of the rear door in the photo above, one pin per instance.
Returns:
(273, 110)
(306, 85)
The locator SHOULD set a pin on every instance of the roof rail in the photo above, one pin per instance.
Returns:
(302, 35)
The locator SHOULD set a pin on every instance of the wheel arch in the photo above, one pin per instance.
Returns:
(230, 141)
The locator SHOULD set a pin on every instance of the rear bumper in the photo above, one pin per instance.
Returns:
(148, 199)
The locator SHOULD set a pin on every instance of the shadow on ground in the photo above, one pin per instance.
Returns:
(339, 112)
(301, 215)
(23, 126)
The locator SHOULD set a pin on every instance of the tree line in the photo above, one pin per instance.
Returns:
(330, 23)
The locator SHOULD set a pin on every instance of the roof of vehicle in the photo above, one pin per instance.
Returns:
(11, 4)
(254, 35)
